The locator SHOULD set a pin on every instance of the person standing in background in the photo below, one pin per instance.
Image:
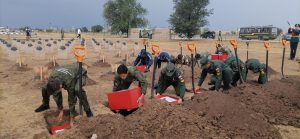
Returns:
(62, 34)
(79, 33)
(294, 42)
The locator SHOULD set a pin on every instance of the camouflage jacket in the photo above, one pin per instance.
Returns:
(133, 75)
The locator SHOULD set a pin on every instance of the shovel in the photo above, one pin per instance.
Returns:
(267, 46)
(284, 43)
(234, 45)
(79, 53)
(247, 43)
(191, 47)
(180, 45)
(155, 51)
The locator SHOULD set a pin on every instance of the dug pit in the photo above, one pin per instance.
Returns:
(51, 118)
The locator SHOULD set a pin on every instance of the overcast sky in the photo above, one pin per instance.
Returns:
(228, 14)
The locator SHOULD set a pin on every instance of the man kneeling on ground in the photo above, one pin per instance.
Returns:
(124, 78)
(171, 75)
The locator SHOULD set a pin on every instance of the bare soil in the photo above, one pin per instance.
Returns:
(247, 111)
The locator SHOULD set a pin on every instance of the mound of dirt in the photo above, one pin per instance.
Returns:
(247, 111)
(154, 120)
(278, 100)
(101, 64)
(230, 117)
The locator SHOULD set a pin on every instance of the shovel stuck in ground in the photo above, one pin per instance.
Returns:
(267, 46)
(80, 52)
(284, 43)
(234, 45)
(191, 47)
(155, 51)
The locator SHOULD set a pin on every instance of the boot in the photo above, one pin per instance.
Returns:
(234, 84)
(89, 114)
(212, 88)
(43, 107)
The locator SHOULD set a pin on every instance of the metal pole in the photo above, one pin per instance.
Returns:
(80, 88)
(282, 64)
(181, 55)
(267, 63)
(153, 76)
(193, 82)
(247, 43)
(238, 63)
(181, 50)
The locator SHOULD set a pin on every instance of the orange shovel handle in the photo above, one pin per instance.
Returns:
(233, 43)
(267, 45)
(79, 52)
(191, 47)
(284, 43)
(180, 43)
(145, 41)
(155, 49)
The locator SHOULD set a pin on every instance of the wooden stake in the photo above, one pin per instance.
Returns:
(112, 68)
(20, 61)
(41, 73)
(119, 53)
(116, 67)
(53, 60)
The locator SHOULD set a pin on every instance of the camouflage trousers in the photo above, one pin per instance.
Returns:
(73, 94)
(178, 86)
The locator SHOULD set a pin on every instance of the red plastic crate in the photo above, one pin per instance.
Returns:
(167, 98)
(214, 57)
(54, 130)
(125, 99)
(221, 57)
(141, 68)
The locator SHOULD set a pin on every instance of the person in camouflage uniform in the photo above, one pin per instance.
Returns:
(231, 62)
(256, 67)
(66, 77)
(124, 78)
(223, 50)
(221, 72)
(171, 75)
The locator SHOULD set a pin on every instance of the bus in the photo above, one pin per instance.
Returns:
(259, 32)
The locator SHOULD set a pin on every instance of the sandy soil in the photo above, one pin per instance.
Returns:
(20, 94)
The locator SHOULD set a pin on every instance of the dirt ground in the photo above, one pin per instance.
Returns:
(247, 111)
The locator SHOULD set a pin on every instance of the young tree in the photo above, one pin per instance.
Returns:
(84, 29)
(97, 28)
(189, 16)
(122, 15)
